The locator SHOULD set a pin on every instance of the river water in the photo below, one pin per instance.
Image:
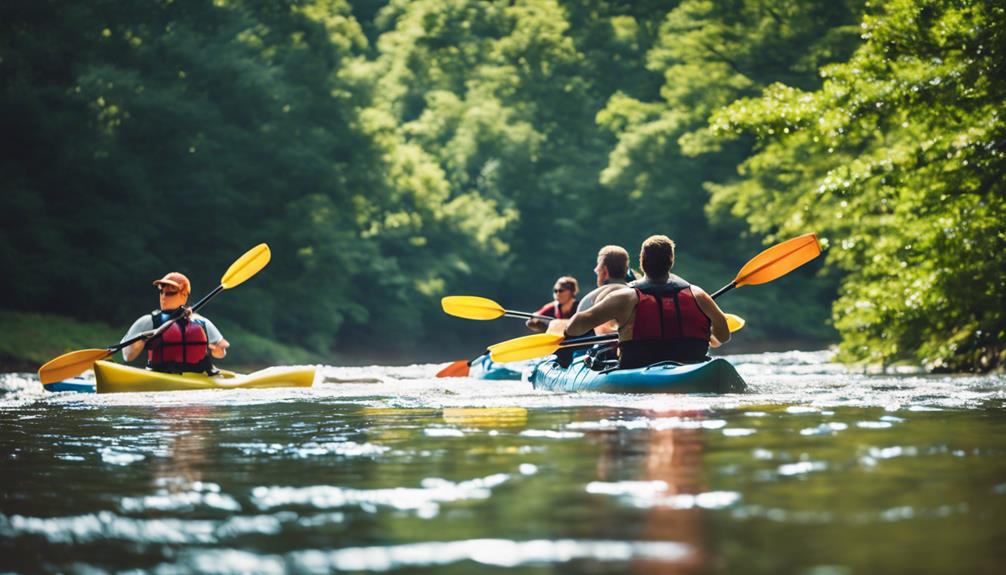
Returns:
(814, 470)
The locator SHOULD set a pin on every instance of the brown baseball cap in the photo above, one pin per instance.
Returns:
(175, 279)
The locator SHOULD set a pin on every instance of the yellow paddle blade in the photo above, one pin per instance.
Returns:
(471, 307)
(70, 364)
(246, 266)
(527, 347)
(779, 260)
(486, 416)
(459, 368)
(734, 322)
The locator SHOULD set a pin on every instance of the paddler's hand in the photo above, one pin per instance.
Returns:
(557, 327)
(535, 325)
(185, 312)
(149, 341)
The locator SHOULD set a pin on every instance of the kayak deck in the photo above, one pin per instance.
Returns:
(116, 378)
(714, 376)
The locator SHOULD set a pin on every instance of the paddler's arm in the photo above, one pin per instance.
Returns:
(132, 351)
(616, 306)
(144, 325)
(218, 345)
(721, 331)
(219, 349)
(536, 325)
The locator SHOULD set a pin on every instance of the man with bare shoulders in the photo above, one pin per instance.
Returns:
(661, 317)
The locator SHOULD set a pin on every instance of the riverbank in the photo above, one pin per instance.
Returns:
(27, 340)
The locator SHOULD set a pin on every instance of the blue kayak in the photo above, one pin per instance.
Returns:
(482, 367)
(77, 384)
(715, 376)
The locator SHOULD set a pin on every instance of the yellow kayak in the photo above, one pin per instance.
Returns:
(117, 378)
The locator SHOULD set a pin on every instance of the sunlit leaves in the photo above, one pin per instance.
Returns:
(896, 157)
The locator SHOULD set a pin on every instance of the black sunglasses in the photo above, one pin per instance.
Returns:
(167, 293)
(557, 290)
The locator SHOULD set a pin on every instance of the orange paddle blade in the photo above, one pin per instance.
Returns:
(471, 307)
(779, 260)
(70, 364)
(458, 368)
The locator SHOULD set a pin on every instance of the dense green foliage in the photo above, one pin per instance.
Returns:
(391, 152)
(898, 159)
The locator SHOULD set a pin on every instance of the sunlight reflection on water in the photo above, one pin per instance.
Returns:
(390, 469)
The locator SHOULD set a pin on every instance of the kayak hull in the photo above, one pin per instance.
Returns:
(74, 385)
(714, 376)
(116, 378)
(483, 367)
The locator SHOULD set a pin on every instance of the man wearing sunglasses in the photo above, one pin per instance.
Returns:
(188, 345)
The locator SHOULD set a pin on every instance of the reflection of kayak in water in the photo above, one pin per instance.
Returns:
(482, 367)
(115, 378)
(714, 376)
(486, 416)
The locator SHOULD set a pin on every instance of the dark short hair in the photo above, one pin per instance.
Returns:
(616, 259)
(657, 256)
(569, 282)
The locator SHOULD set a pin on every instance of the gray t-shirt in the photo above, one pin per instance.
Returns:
(145, 323)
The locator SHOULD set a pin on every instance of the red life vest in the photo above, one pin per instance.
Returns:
(669, 326)
(552, 309)
(184, 346)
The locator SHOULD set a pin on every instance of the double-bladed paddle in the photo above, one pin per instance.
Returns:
(770, 264)
(477, 308)
(462, 367)
(77, 362)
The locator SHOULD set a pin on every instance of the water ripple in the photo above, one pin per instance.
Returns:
(493, 552)
(424, 500)
(646, 494)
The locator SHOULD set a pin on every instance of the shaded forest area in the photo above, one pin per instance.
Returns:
(394, 152)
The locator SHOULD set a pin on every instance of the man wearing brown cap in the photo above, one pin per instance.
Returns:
(185, 346)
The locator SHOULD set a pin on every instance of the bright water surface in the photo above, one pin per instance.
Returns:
(385, 469)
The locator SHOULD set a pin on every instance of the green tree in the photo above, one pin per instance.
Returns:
(710, 53)
(177, 135)
(897, 158)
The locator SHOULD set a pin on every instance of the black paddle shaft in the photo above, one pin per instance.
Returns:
(525, 315)
(724, 289)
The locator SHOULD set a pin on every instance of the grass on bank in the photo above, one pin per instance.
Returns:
(27, 340)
